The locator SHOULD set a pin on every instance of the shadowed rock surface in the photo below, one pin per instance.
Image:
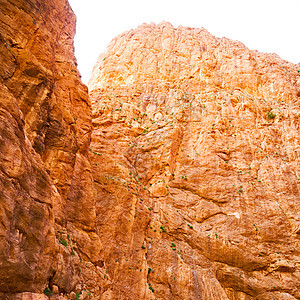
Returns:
(47, 213)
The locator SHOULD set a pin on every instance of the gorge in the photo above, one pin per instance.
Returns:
(174, 175)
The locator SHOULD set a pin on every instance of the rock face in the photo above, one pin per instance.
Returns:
(181, 181)
(196, 163)
(47, 213)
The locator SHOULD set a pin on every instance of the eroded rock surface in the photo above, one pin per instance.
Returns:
(47, 215)
(196, 166)
(193, 191)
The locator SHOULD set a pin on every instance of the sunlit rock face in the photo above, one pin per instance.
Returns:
(195, 157)
(180, 182)
(47, 216)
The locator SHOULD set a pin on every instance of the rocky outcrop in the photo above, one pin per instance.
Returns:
(195, 158)
(188, 187)
(47, 229)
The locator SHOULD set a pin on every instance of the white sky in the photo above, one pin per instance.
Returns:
(265, 25)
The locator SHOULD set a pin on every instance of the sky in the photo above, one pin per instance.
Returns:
(271, 26)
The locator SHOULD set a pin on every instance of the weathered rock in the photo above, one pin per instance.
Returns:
(195, 157)
(84, 295)
(194, 187)
(47, 213)
(27, 296)
(55, 289)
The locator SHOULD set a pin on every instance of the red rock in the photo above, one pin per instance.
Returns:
(193, 190)
(196, 168)
(45, 127)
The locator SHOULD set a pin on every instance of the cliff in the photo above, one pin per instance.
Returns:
(195, 158)
(176, 178)
(47, 213)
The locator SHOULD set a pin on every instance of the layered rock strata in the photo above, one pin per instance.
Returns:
(195, 158)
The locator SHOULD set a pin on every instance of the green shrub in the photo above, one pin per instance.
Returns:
(173, 246)
(47, 292)
(63, 242)
(163, 229)
(150, 287)
(271, 115)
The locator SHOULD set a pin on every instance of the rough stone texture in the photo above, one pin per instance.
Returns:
(194, 187)
(196, 166)
(47, 213)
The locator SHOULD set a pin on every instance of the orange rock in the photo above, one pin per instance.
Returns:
(190, 186)
(47, 213)
(196, 167)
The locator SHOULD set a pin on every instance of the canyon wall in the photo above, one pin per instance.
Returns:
(195, 158)
(180, 180)
(47, 213)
